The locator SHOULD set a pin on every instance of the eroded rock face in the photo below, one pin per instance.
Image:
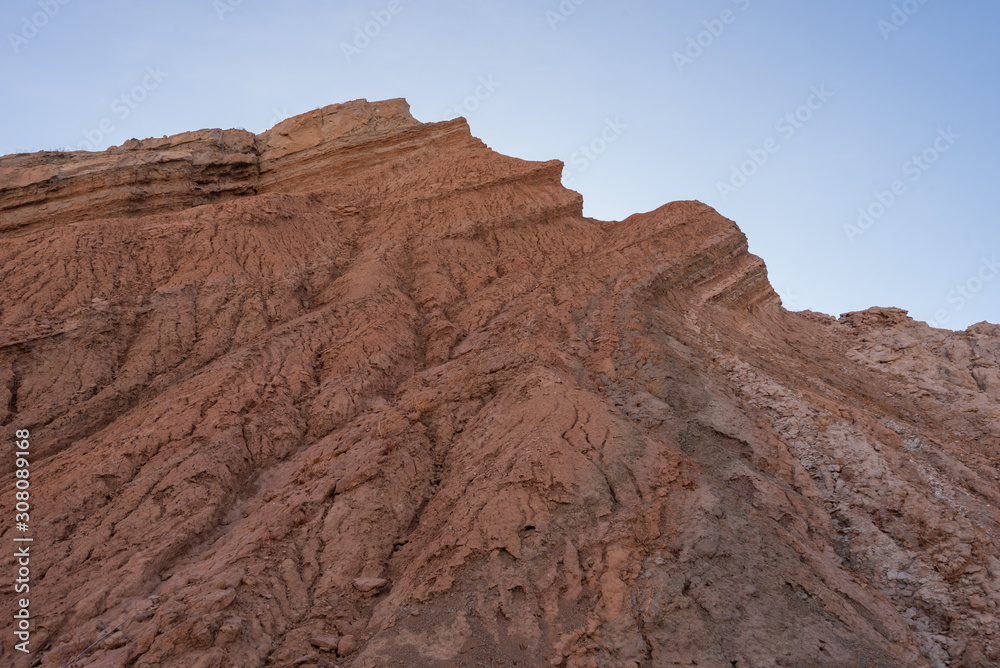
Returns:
(359, 391)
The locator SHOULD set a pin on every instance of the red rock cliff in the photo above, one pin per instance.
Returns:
(359, 391)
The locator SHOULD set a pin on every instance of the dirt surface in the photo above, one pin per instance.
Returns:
(361, 392)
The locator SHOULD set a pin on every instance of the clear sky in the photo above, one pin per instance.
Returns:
(856, 143)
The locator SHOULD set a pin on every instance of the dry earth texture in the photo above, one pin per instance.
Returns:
(359, 391)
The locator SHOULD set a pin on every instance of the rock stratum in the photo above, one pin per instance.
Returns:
(359, 391)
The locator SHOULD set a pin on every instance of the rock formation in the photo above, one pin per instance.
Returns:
(359, 391)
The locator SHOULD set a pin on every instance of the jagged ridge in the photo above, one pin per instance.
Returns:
(379, 392)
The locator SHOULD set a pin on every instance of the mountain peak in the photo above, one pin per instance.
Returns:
(361, 391)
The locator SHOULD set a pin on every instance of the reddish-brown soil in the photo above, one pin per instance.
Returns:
(361, 392)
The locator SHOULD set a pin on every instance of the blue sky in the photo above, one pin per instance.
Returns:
(791, 118)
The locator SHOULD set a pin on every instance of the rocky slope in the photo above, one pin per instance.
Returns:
(360, 392)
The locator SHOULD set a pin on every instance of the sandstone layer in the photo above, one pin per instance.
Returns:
(361, 392)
